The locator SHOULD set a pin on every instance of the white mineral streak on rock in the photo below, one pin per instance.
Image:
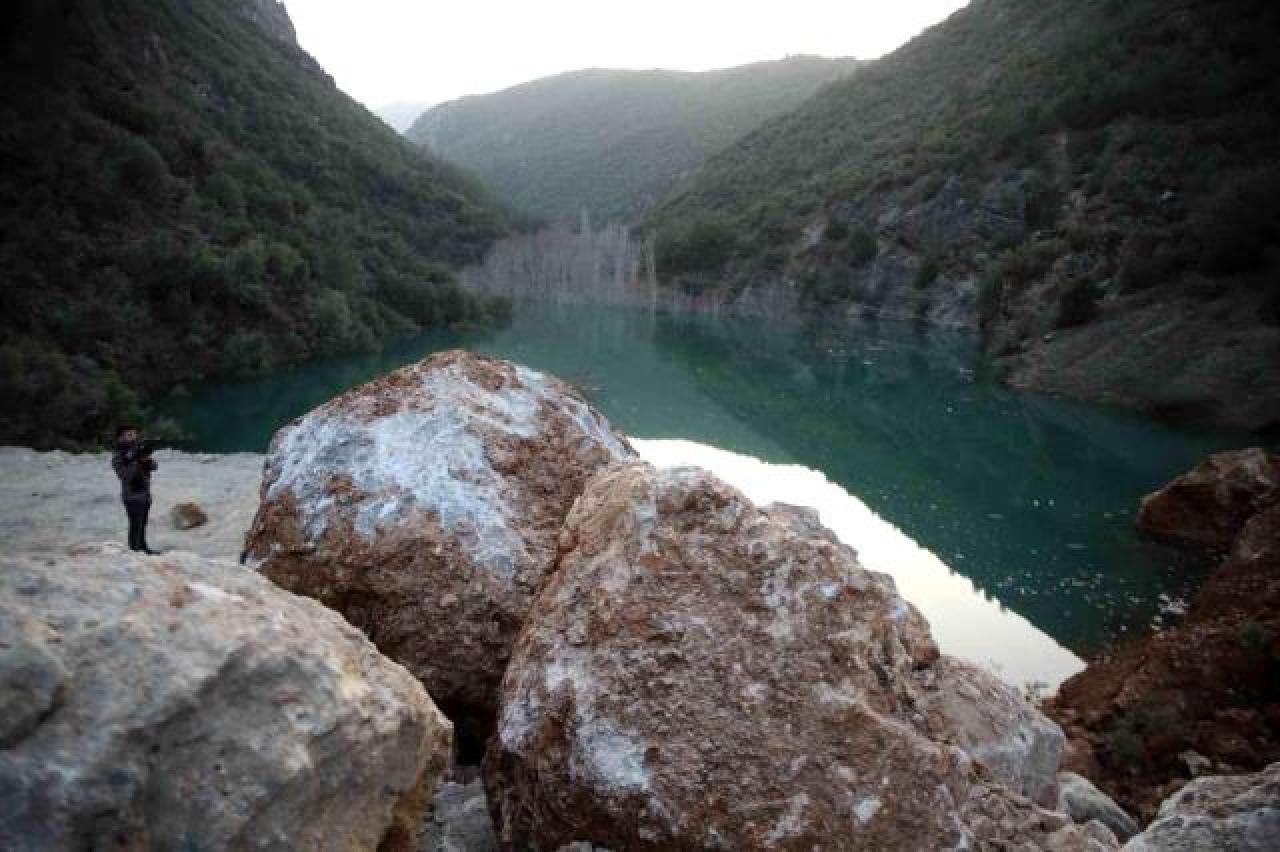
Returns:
(1239, 813)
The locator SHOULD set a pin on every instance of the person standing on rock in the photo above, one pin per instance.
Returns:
(133, 464)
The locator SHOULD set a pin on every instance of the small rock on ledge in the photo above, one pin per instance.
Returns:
(188, 516)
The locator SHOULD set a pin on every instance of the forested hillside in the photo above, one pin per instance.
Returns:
(185, 194)
(612, 142)
(1094, 183)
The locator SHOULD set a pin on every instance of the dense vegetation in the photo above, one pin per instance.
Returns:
(1139, 134)
(612, 142)
(185, 194)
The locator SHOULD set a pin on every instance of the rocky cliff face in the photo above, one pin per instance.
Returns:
(425, 507)
(178, 702)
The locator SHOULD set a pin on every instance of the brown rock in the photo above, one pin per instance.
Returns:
(425, 506)
(187, 516)
(1205, 684)
(702, 674)
(1211, 504)
(1260, 539)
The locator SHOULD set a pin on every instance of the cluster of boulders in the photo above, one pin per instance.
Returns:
(645, 658)
(638, 659)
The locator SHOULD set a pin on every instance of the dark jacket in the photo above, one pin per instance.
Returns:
(135, 473)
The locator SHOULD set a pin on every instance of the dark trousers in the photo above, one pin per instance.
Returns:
(137, 511)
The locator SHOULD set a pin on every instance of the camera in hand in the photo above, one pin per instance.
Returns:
(141, 450)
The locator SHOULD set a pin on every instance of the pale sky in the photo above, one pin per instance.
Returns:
(382, 51)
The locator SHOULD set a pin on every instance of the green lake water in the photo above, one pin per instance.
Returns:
(1029, 497)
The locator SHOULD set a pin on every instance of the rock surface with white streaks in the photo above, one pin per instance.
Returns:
(425, 507)
(1225, 813)
(700, 673)
(175, 702)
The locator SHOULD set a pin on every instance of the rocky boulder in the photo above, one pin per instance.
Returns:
(188, 516)
(969, 707)
(1082, 801)
(1235, 813)
(1209, 505)
(425, 507)
(700, 673)
(177, 702)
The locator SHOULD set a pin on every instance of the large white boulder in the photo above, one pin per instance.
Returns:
(174, 702)
(425, 507)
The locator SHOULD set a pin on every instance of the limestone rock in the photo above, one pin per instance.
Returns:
(971, 708)
(1082, 801)
(700, 673)
(1209, 505)
(458, 821)
(188, 516)
(425, 506)
(178, 702)
(1234, 813)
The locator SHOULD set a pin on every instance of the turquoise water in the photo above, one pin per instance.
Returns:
(1029, 497)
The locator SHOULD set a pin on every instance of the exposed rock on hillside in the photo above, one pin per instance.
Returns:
(1238, 813)
(176, 702)
(425, 506)
(1206, 692)
(1209, 505)
(700, 673)
(271, 17)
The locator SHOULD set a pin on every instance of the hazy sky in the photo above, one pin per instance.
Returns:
(381, 51)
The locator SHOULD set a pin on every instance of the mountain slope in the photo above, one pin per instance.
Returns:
(612, 142)
(185, 194)
(1094, 184)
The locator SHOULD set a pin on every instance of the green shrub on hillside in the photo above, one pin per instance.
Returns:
(702, 246)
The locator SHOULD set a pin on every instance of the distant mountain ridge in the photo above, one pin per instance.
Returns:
(612, 142)
(1094, 184)
(186, 195)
